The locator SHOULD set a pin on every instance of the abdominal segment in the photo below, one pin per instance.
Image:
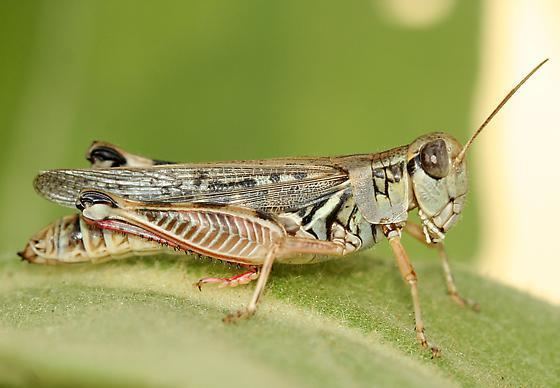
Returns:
(72, 240)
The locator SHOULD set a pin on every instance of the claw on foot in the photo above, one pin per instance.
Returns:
(436, 352)
(239, 315)
(233, 281)
(464, 302)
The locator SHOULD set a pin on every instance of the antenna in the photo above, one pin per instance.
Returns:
(463, 152)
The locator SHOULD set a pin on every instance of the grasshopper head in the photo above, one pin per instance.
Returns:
(439, 182)
(437, 168)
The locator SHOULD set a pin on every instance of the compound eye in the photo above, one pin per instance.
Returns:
(435, 159)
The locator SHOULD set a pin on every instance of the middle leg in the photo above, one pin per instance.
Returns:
(409, 275)
(251, 308)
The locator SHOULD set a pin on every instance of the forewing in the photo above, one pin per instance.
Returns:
(273, 185)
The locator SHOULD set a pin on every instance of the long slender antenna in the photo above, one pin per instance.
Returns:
(463, 152)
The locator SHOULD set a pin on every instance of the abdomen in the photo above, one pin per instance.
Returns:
(71, 240)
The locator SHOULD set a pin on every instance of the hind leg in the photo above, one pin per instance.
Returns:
(285, 248)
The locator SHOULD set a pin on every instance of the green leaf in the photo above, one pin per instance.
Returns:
(347, 322)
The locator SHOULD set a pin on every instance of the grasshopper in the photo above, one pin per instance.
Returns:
(257, 213)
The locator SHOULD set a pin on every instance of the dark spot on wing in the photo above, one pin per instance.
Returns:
(248, 183)
(274, 178)
(300, 175)
(165, 190)
(199, 177)
(222, 186)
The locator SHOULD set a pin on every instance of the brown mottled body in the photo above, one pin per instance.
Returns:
(256, 213)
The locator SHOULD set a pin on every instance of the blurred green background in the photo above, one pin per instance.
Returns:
(218, 80)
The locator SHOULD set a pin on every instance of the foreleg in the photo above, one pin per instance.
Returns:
(416, 232)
